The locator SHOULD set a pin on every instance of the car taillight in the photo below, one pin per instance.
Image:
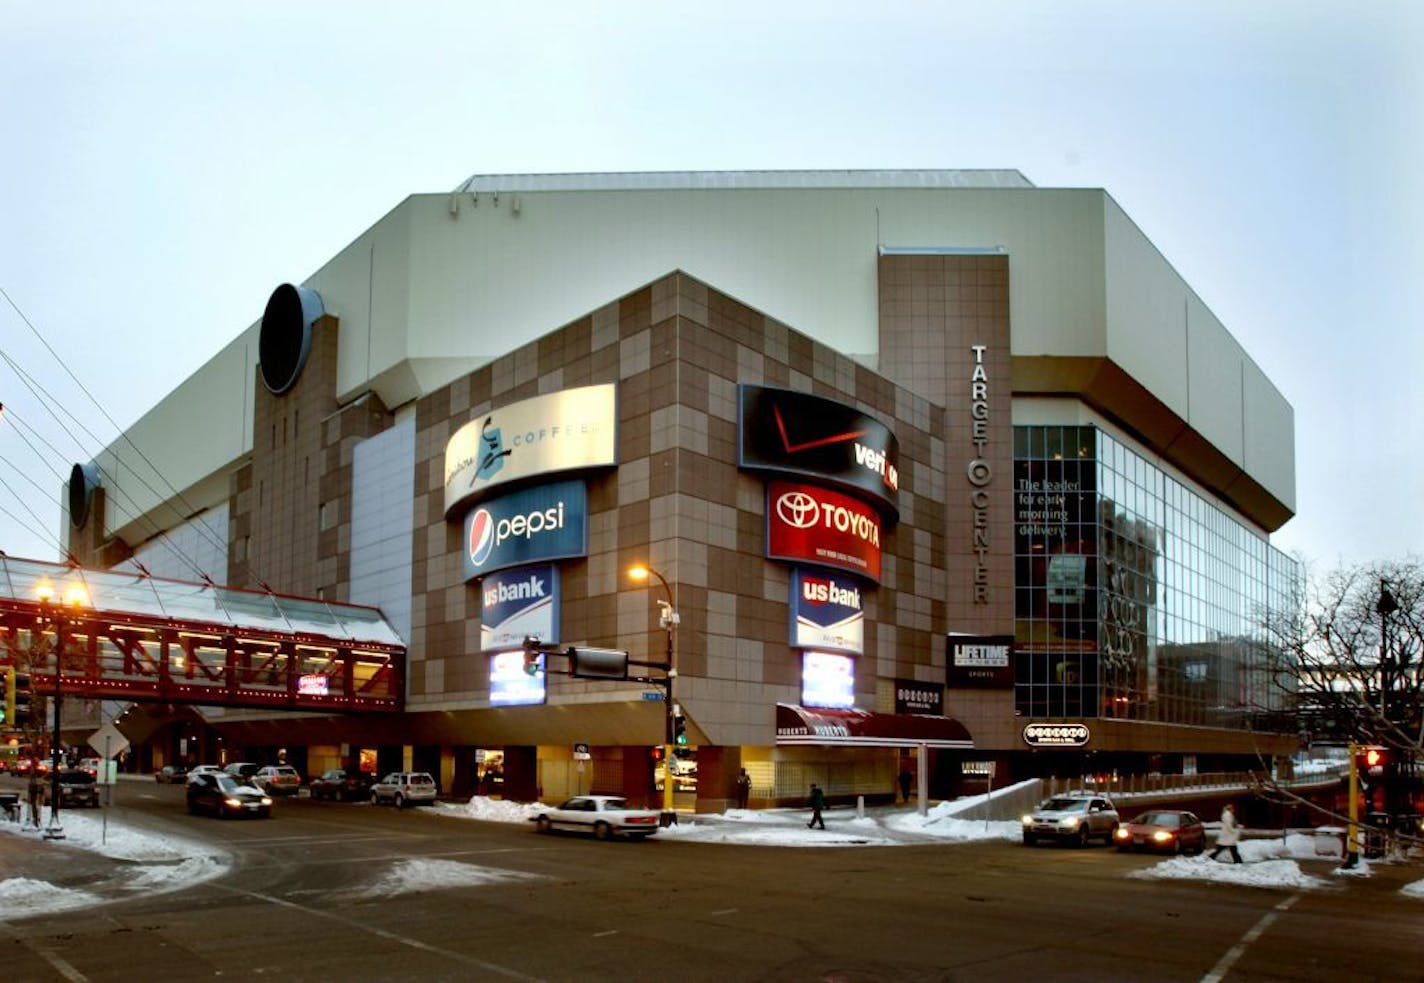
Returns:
(641, 819)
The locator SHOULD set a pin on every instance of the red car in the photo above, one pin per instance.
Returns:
(1165, 830)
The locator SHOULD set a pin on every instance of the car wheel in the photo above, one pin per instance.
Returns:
(602, 831)
(1112, 831)
(1030, 839)
(400, 801)
(543, 825)
(375, 799)
(1082, 841)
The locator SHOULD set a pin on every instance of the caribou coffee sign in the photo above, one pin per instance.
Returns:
(816, 525)
(1056, 735)
(561, 431)
(787, 432)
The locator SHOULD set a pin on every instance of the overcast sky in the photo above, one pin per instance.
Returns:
(165, 167)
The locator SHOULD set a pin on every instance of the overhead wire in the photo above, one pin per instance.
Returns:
(199, 523)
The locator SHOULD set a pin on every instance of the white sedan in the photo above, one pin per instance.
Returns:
(605, 816)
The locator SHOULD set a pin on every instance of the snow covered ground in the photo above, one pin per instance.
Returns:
(156, 863)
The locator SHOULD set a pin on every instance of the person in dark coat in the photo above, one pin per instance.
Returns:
(744, 788)
(905, 785)
(818, 802)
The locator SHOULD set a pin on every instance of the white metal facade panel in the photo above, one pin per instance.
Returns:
(382, 522)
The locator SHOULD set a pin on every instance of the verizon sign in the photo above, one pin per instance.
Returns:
(816, 525)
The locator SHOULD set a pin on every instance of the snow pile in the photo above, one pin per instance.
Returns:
(410, 876)
(1415, 890)
(1257, 873)
(490, 810)
(23, 897)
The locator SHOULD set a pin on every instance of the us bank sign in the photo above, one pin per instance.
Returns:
(562, 431)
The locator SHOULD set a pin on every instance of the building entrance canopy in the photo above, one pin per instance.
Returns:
(798, 725)
(135, 637)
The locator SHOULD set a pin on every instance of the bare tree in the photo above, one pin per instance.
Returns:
(1351, 659)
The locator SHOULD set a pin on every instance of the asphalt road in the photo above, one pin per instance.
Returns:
(295, 907)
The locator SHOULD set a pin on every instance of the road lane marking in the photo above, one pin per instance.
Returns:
(603, 935)
(382, 933)
(1219, 971)
(48, 955)
(724, 911)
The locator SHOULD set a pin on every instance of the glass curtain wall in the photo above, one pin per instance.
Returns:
(1135, 596)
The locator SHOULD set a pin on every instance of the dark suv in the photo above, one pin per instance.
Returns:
(340, 785)
(1073, 818)
(77, 788)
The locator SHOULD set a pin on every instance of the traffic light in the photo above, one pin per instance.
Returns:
(532, 656)
(17, 701)
(1371, 761)
(679, 729)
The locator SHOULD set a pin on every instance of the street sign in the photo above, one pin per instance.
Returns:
(108, 741)
(652, 694)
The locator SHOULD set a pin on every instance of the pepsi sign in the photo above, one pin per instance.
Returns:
(788, 432)
(518, 604)
(548, 522)
(826, 612)
(817, 525)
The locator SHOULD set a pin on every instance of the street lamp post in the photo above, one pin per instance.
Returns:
(54, 613)
(668, 620)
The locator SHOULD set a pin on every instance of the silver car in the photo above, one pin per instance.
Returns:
(1071, 819)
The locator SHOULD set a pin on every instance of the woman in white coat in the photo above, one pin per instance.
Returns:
(1229, 836)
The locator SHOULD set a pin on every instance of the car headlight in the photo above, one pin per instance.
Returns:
(1028, 820)
(1162, 836)
(1123, 833)
(1070, 823)
(233, 803)
(266, 801)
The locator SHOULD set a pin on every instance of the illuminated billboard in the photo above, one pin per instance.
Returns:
(827, 680)
(562, 431)
(510, 685)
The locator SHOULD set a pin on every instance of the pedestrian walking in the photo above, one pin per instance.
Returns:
(1229, 836)
(36, 795)
(818, 802)
(744, 788)
(905, 785)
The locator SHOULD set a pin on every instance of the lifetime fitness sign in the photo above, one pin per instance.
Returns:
(794, 433)
(1056, 735)
(980, 660)
(561, 431)
(817, 525)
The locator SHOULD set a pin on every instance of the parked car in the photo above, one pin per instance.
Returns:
(340, 785)
(1071, 819)
(224, 795)
(91, 765)
(242, 769)
(278, 780)
(197, 770)
(76, 788)
(404, 788)
(1169, 830)
(171, 775)
(605, 816)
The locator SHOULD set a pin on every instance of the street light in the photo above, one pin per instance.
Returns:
(1384, 607)
(74, 598)
(668, 620)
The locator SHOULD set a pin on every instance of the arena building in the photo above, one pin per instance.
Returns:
(930, 469)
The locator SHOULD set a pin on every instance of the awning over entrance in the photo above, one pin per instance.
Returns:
(797, 725)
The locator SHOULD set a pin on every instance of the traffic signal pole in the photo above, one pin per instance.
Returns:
(1352, 831)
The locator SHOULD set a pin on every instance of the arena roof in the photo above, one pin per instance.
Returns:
(718, 180)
